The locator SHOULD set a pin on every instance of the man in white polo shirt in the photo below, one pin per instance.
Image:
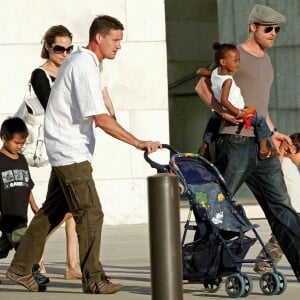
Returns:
(75, 107)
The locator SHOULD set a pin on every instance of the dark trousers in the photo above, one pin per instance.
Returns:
(236, 158)
(261, 128)
(70, 188)
(212, 128)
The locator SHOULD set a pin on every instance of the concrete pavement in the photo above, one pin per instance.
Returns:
(125, 256)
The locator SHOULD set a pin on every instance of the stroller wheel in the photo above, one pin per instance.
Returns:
(269, 283)
(248, 285)
(212, 285)
(282, 282)
(235, 285)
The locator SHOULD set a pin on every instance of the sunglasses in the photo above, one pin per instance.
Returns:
(60, 49)
(269, 29)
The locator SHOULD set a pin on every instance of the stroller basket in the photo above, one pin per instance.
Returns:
(205, 258)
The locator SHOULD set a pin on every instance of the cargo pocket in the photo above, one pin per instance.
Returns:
(80, 193)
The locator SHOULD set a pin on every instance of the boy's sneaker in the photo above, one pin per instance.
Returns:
(42, 279)
(104, 286)
(28, 281)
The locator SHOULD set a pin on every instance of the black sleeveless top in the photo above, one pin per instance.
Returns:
(41, 86)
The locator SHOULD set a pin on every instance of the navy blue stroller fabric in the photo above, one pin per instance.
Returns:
(220, 243)
(206, 188)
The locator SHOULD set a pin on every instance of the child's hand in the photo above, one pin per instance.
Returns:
(278, 138)
(204, 72)
(230, 118)
(242, 113)
(250, 113)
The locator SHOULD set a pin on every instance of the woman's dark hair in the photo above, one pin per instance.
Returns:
(104, 24)
(221, 50)
(295, 137)
(13, 126)
(50, 35)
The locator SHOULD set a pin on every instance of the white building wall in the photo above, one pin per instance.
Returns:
(137, 84)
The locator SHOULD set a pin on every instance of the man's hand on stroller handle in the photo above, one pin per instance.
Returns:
(148, 146)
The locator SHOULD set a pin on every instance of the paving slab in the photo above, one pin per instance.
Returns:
(125, 256)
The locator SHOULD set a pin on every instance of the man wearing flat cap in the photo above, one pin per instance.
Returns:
(265, 15)
(236, 150)
(262, 14)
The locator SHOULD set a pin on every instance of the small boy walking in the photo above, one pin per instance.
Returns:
(15, 185)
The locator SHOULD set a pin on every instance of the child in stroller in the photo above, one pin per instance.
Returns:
(220, 231)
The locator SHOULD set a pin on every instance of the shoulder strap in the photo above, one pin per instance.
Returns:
(47, 75)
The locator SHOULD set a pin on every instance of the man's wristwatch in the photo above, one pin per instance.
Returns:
(274, 130)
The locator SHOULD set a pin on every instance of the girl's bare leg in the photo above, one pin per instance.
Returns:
(72, 266)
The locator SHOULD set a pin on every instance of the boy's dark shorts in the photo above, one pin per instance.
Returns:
(11, 241)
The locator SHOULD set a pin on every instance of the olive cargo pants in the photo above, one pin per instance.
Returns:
(71, 188)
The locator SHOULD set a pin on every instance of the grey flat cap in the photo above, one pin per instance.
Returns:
(265, 15)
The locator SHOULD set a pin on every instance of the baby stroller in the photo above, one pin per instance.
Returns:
(220, 234)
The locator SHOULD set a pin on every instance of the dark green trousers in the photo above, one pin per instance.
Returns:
(71, 188)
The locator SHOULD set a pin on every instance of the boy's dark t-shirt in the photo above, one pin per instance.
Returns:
(15, 187)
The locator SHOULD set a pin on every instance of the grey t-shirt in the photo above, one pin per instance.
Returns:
(254, 77)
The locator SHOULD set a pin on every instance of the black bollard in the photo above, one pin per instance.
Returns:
(165, 241)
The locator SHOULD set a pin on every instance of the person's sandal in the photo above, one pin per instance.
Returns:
(28, 281)
(72, 275)
(42, 267)
(270, 152)
(104, 286)
(262, 267)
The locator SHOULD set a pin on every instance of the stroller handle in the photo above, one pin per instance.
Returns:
(160, 168)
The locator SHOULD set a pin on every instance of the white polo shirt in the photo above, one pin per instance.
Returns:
(74, 99)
